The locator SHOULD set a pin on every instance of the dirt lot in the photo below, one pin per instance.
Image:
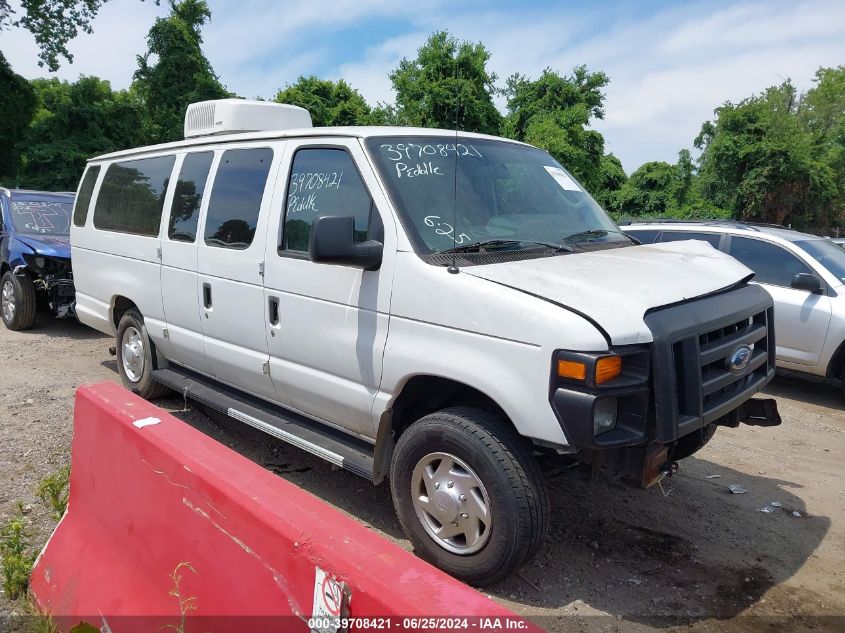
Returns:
(700, 558)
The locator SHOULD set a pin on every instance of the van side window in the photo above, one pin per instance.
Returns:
(132, 195)
(187, 197)
(83, 200)
(236, 197)
(771, 264)
(323, 182)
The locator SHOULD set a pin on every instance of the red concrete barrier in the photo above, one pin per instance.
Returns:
(169, 530)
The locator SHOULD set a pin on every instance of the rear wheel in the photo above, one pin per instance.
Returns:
(135, 357)
(17, 300)
(469, 494)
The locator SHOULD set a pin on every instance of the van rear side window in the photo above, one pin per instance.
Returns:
(187, 198)
(236, 197)
(83, 200)
(132, 195)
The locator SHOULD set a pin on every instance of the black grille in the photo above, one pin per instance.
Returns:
(694, 343)
(707, 387)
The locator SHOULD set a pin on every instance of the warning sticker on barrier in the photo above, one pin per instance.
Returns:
(330, 604)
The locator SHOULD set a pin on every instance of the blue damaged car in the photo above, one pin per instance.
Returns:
(35, 256)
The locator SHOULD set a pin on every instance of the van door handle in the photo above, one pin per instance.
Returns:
(206, 296)
(273, 310)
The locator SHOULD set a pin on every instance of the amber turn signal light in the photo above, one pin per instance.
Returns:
(571, 369)
(608, 368)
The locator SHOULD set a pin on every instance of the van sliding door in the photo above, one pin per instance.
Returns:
(184, 342)
(230, 267)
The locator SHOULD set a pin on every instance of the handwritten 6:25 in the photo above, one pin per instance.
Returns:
(442, 228)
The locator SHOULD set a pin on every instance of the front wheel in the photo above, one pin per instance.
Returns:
(135, 357)
(17, 300)
(469, 494)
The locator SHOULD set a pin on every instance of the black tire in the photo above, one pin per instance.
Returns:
(690, 444)
(503, 462)
(23, 301)
(142, 384)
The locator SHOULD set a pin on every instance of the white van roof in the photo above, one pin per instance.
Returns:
(344, 131)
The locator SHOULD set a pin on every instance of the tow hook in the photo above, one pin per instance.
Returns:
(668, 469)
(113, 351)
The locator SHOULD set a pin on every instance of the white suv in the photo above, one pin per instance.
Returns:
(432, 308)
(804, 274)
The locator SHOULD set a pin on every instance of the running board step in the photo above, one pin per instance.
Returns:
(334, 446)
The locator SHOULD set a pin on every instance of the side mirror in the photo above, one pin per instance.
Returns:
(333, 242)
(807, 282)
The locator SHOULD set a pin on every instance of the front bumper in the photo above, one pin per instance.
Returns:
(54, 279)
(684, 380)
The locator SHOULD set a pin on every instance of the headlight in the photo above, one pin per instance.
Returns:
(602, 369)
(614, 369)
(604, 415)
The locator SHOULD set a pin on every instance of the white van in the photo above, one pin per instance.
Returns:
(435, 308)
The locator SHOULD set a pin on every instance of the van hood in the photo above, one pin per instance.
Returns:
(47, 245)
(615, 288)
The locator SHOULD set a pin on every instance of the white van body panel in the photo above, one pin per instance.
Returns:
(124, 264)
(180, 294)
(500, 342)
(234, 335)
(93, 308)
(326, 351)
(632, 281)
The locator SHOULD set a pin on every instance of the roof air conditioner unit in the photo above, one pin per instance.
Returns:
(231, 116)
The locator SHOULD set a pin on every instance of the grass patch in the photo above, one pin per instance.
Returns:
(16, 559)
(41, 622)
(53, 491)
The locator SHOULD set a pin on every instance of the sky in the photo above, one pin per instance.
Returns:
(670, 63)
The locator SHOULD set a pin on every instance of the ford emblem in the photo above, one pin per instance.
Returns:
(739, 360)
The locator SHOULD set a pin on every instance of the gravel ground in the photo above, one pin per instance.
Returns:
(700, 558)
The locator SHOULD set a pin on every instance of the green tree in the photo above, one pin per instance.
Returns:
(17, 106)
(611, 178)
(760, 162)
(447, 85)
(553, 112)
(649, 191)
(685, 179)
(181, 74)
(660, 189)
(53, 23)
(73, 122)
(823, 113)
(329, 102)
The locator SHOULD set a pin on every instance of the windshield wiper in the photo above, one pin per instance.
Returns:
(585, 235)
(478, 246)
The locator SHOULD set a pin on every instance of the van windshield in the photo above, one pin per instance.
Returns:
(504, 195)
(41, 217)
